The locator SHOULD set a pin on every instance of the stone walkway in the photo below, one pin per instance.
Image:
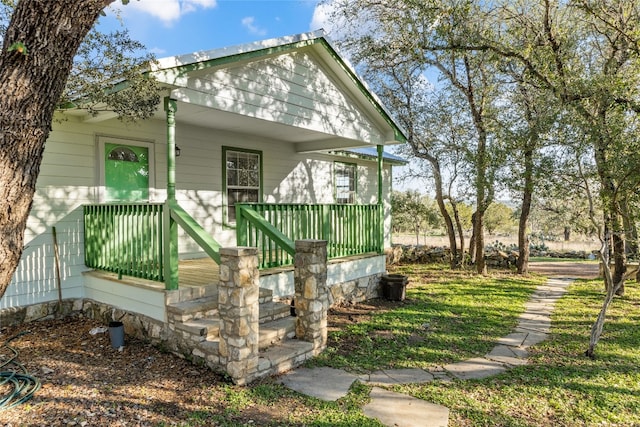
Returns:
(398, 410)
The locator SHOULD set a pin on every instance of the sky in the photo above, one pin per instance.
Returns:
(174, 27)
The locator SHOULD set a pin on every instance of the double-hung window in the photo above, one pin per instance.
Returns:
(345, 182)
(242, 178)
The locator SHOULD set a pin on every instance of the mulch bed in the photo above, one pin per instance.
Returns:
(85, 382)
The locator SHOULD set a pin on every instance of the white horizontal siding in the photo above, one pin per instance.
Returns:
(35, 280)
(282, 284)
(149, 302)
(291, 88)
(67, 180)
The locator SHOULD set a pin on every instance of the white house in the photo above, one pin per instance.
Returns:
(284, 125)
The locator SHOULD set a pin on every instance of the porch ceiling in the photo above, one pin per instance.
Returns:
(305, 140)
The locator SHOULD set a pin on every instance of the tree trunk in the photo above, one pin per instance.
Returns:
(523, 241)
(456, 215)
(631, 231)
(31, 82)
(437, 177)
(567, 233)
(478, 231)
(482, 198)
(454, 260)
(483, 187)
(612, 290)
(472, 239)
(619, 256)
(612, 214)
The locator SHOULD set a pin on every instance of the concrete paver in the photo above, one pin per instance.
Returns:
(541, 326)
(475, 368)
(508, 355)
(514, 339)
(399, 376)
(322, 383)
(533, 338)
(399, 410)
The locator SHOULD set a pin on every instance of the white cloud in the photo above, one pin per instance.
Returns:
(320, 18)
(249, 23)
(157, 51)
(324, 17)
(335, 25)
(169, 11)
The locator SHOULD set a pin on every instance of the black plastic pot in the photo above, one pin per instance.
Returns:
(116, 334)
(394, 286)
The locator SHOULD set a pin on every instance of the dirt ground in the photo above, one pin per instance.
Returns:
(85, 382)
(578, 270)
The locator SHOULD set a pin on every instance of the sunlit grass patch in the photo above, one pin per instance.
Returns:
(447, 316)
(560, 386)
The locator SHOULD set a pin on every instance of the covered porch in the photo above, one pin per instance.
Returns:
(293, 107)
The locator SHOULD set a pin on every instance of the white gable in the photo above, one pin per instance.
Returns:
(292, 88)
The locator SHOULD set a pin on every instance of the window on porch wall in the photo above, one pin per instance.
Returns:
(345, 182)
(243, 178)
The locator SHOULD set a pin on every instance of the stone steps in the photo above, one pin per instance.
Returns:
(276, 331)
(198, 319)
(273, 310)
(283, 357)
(198, 323)
(265, 295)
(194, 309)
(206, 328)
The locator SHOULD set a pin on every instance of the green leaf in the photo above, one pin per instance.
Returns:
(18, 47)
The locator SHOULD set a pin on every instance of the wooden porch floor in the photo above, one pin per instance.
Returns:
(191, 273)
(198, 272)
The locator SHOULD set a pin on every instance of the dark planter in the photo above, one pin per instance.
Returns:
(116, 334)
(394, 286)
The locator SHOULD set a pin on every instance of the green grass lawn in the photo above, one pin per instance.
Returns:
(447, 317)
(560, 386)
(450, 316)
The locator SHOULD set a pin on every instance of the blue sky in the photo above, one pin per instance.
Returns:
(173, 27)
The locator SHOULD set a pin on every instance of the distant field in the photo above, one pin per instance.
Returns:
(572, 245)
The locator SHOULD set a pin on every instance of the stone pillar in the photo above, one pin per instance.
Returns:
(312, 295)
(239, 312)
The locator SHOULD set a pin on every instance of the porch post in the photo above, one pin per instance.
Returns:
(311, 292)
(171, 106)
(380, 200)
(170, 226)
(238, 304)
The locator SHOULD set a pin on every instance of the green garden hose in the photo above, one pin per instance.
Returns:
(22, 386)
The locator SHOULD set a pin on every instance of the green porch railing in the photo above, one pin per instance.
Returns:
(132, 240)
(348, 229)
(125, 239)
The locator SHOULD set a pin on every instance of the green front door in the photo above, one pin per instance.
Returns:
(126, 172)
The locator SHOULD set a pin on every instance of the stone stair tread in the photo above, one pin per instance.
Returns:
(210, 347)
(284, 356)
(273, 310)
(266, 295)
(203, 327)
(276, 331)
(194, 306)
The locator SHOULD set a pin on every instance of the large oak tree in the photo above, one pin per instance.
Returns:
(37, 56)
